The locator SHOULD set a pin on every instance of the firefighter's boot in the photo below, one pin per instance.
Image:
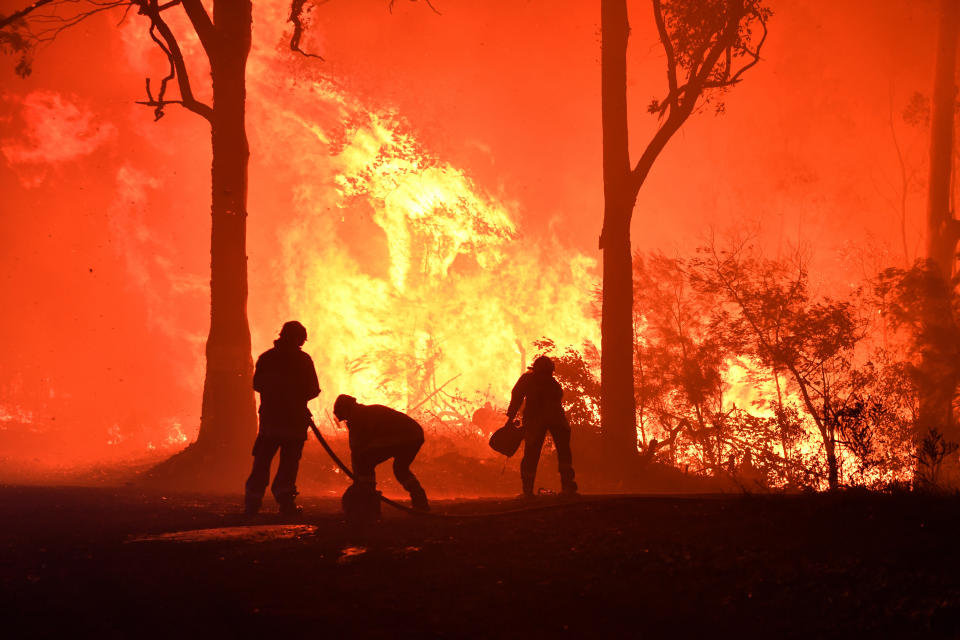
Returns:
(568, 484)
(527, 482)
(418, 497)
(251, 504)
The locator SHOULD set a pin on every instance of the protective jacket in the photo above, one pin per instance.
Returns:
(543, 396)
(286, 380)
(374, 426)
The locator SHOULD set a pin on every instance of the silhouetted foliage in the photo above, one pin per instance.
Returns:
(807, 340)
(932, 450)
(917, 111)
(743, 373)
(924, 309)
(915, 294)
(691, 28)
(16, 43)
(680, 359)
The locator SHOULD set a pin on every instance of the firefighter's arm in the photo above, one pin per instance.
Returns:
(313, 385)
(516, 398)
(258, 376)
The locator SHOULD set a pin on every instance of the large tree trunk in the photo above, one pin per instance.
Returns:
(937, 378)
(941, 227)
(228, 421)
(617, 404)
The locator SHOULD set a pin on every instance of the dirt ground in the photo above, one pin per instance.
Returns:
(122, 563)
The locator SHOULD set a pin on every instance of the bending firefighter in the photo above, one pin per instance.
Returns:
(541, 396)
(378, 433)
(286, 380)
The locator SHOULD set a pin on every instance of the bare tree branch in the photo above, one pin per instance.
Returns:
(17, 15)
(753, 54)
(672, 124)
(171, 48)
(45, 26)
(23, 31)
(158, 112)
(202, 24)
(296, 17)
(671, 57)
(297, 8)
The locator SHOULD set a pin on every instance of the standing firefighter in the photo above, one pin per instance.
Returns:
(378, 433)
(542, 412)
(286, 380)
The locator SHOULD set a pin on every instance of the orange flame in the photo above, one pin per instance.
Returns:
(416, 277)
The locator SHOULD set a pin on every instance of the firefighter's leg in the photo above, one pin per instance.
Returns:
(365, 466)
(561, 440)
(284, 485)
(361, 502)
(533, 436)
(263, 452)
(401, 469)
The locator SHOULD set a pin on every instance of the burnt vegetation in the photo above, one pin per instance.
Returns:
(747, 377)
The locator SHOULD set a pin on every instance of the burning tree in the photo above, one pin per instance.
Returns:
(776, 320)
(228, 414)
(938, 378)
(709, 45)
(681, 358)
(737, 359)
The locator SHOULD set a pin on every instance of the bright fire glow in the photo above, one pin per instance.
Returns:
(408, 275)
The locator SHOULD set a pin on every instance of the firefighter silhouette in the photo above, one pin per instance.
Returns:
(286, 380)
(378, 433)
(486, 418)
(541, 396)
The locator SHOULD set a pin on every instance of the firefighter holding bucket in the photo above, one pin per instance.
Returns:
(542, 399)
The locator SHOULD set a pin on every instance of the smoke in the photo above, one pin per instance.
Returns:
(52, 130)
(152, 263)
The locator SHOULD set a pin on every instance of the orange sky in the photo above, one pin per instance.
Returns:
(105, 232)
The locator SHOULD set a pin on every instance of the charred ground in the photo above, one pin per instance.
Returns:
(782, 566)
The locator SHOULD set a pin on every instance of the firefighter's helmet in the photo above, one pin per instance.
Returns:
(543, 364)
(294, 332)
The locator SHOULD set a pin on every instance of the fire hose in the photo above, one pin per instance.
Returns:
(349, 473)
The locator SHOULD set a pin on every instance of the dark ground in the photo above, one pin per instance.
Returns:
(774, 567)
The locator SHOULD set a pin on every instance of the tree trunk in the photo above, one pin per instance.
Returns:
(228, 422)
(617, 404)
(833, 468)
(937, 382)
(941, 234)
(617, 408)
